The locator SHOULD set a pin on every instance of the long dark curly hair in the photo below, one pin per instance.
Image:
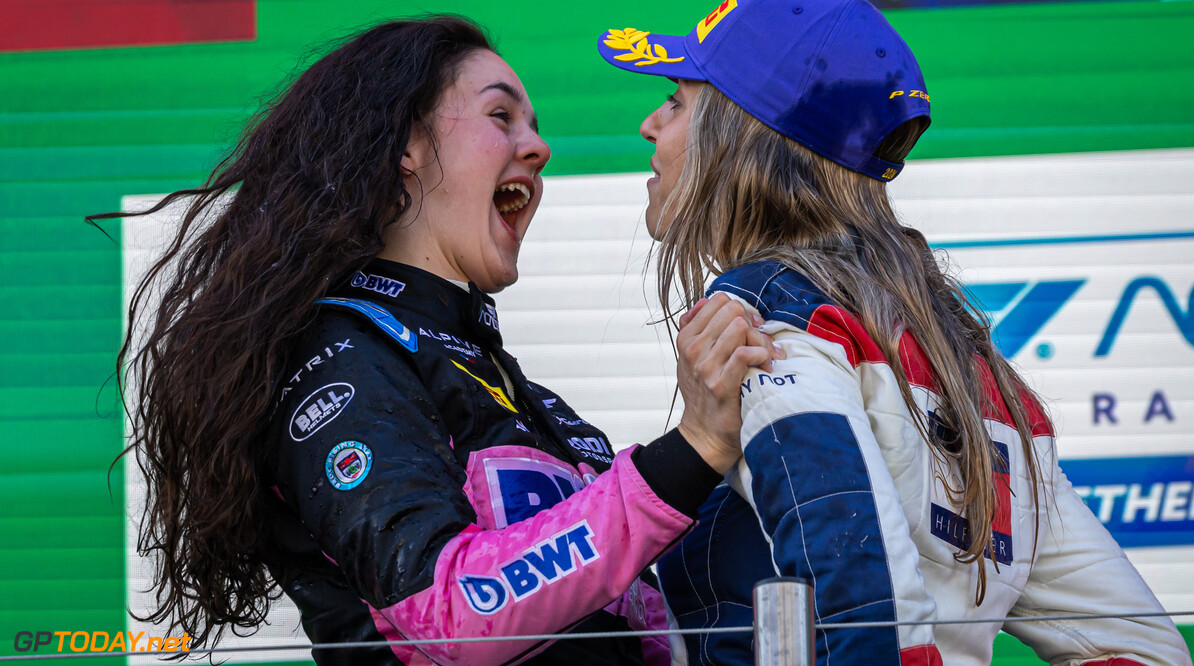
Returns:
(313, 181)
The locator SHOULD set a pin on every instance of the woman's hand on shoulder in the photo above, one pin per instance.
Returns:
(718, 343)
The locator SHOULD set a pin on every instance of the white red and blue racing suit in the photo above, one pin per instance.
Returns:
(426, 489)
(838, 486)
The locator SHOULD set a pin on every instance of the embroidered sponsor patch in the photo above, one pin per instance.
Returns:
(319, 408)
(519, 488)
(319, 358)
(382, 285)
(593, 447)
(541, 565)
(489, 317)
(348, 464)
(463, 347)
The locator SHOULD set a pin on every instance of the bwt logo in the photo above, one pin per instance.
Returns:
(546, 563)
(1019, 310)
(378, 283)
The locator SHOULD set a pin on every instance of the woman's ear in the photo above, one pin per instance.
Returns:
(419, 152)
(408, 163)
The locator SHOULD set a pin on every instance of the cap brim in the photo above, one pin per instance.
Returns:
(648, 53)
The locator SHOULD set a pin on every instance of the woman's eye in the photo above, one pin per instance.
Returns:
(671, 99)
(504, 116)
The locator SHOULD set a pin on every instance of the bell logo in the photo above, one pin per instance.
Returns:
(714, 18)
(319, 408)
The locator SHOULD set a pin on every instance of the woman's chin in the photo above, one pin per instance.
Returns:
(498, 285)
(653, 228)
(499, 278)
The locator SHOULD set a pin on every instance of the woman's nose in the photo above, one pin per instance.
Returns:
(536, 151)
(649, 128)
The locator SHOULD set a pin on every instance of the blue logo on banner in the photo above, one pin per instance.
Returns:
(1020, 309)
(1184, 320)
(1141, 501)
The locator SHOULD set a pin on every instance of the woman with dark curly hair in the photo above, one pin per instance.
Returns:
(322, 402)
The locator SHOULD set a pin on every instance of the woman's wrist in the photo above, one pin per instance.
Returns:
(715, 454)
(676, 473)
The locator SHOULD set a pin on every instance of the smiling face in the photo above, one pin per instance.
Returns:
(667, 128)
(476, 183)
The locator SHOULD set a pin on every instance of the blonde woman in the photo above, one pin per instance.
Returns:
(894, 459)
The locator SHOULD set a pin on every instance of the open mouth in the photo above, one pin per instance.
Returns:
(510, 199)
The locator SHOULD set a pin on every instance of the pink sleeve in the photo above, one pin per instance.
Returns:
(586, 552)
(656, 651)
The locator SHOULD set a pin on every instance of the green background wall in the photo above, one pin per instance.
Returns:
(80, 129)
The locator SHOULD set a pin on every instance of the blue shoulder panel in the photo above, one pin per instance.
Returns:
(817, 503)
(380, 316)
(775, 290)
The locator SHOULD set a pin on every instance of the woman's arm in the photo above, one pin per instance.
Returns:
(407, 537)
(813, 471)
(718, 342)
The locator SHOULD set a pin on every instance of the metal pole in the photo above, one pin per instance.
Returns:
(784, 622)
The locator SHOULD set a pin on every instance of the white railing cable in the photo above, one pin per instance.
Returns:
(577, 636)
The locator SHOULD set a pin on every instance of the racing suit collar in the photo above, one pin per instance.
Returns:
(394, 285)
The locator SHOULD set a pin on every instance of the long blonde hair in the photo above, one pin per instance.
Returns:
(747, 193)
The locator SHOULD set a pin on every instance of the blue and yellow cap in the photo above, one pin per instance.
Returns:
(832, 75)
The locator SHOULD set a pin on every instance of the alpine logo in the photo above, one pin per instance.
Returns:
(319, 408)
(545, 563)
(377, 283)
